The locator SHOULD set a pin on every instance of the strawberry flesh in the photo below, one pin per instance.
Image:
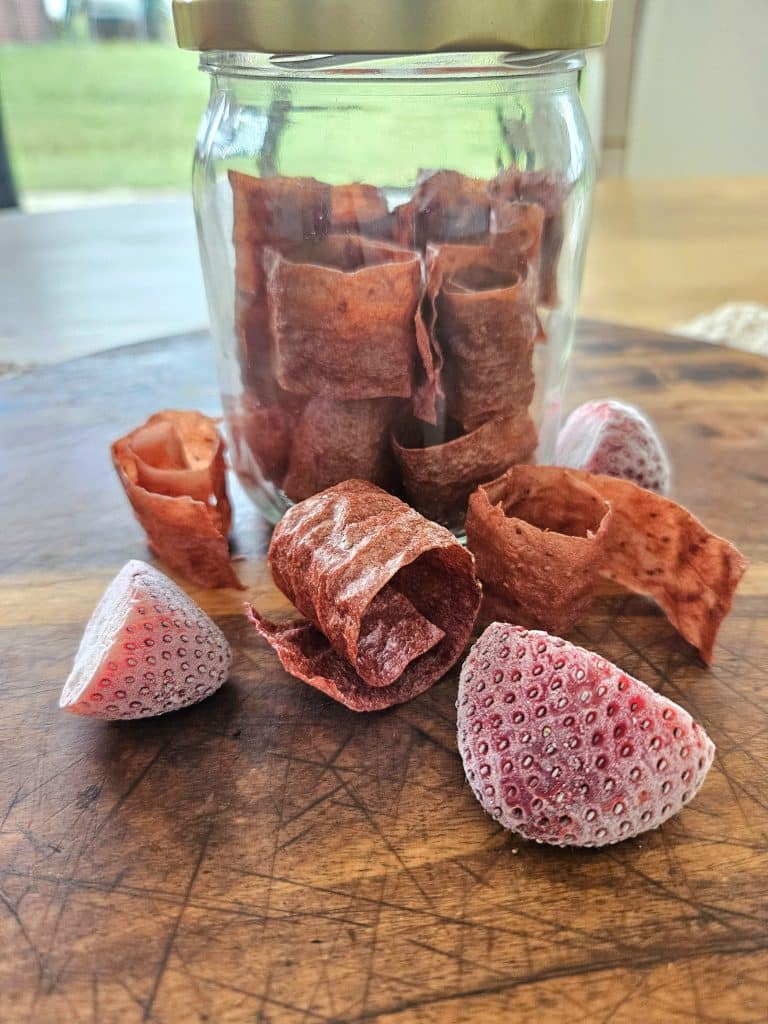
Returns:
(147, 649)
(563, 747)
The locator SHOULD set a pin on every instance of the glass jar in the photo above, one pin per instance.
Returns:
(392, 248)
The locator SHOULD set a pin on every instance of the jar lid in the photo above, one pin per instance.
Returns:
(390, 26)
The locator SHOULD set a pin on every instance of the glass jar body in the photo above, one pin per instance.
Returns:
(392, 251)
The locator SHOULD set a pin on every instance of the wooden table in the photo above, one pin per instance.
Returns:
(268, 856)
(664, 251)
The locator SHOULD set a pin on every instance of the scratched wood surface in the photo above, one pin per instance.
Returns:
(268, 856)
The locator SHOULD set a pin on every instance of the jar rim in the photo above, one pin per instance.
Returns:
(391, 67)
(396, 26)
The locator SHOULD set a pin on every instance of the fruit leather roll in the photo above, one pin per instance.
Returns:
(548, 190)
(486, 326)
(173, 472)
(276, 211)
(273, 211)
(254, 351)
(542, 535)
(356, 206)
(448, 206)
(440, 469)
(345, 318)
(389, 598)
(262, 435)
(539, 538)
(335, 441)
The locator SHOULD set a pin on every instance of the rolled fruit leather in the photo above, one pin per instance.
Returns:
(389, 598)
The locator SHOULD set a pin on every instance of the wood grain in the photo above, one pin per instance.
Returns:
(663, 251)
(268, 856)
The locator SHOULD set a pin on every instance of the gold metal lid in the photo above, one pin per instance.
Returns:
(390, 26)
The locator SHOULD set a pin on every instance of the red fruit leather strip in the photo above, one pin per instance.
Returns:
(514, 253)
(355, 206)
(647, 543)
(549, 190)
(306, 654)
(517, 229)
(332, 555)
(278, 209)
(335, 441)
(538, 535)
(273, 211)
(343, 317)
(255, 347)
(261, 438)
(656, 547)
(392, 634)
(438, 478)
(486, 327)
(173, 472)
(449, 205)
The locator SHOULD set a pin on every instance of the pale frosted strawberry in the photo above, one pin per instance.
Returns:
(616, 439)
(147, 649)
(563, 747)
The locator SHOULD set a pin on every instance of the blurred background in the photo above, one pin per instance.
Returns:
(99, 104)
(100, 108)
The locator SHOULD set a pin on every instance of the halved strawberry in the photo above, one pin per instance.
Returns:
(147, 649)
(563, 747)
(616, 439)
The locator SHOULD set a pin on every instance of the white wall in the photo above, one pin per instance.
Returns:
(699, 94)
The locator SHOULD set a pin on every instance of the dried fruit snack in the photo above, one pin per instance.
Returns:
(334, 441)
(486, 326)
(616, 439)
(173, 472)
(539, 542)
(449, 205)
(343, 318)
(563, 747)
(389, 598)
(655, 546)
(650, 545)
(440, 469)
(147, 649)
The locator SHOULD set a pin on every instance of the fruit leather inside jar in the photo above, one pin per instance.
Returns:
(342, 316)
(386, 342)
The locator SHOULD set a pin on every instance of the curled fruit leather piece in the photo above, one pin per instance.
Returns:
(449, 205)
(355, 207)
(656, 547)
(343, 318)
(486, 326)
(538, 536)
(335, 441)
(276, 211)
(389, 597)
(517, 230)
(283, 209)
(262, 436)
(441, 467)
(650, 545)
(255, 346)
(173, 472)
(549, 190)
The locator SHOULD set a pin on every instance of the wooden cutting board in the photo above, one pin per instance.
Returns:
(268, 856)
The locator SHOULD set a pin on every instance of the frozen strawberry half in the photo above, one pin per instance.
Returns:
(563, 747)
(616, 439)
(147, 649)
